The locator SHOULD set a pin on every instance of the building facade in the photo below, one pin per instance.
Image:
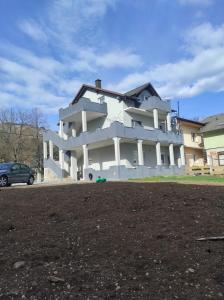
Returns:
(213, 135)
(114, 135)
(193, 141)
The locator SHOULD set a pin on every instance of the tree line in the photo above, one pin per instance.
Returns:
(21, 136)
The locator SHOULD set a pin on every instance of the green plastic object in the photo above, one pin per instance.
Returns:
(100, 179)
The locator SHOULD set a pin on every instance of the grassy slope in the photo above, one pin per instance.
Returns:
(204, 179)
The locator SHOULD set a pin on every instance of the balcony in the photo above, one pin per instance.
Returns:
(72, 112)
(116, 129)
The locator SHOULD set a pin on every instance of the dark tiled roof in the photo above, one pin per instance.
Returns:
(135, 92)
(213, 123)
(86, 87)
(129, 95)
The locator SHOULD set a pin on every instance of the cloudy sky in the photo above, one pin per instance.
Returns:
(48, 48)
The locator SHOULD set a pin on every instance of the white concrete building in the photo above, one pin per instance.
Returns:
(114, 135)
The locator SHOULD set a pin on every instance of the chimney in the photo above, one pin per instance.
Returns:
(98, 83)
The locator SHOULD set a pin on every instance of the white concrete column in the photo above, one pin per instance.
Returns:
(73, 167)
(158, 154)
(62, 159)
(140, 153)
(168, 122)
(117, 150)
(85, 157)
(156, 118)
(45, 149)
(182, 157)
(51, 152)
(61, 129)
(84, 121)
(171, 151)
(73, 130)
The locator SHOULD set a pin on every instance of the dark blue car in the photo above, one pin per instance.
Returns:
(15, 173)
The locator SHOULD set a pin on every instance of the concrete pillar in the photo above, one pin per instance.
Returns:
(85, 157)
(84, 121)
(140, 153)
(158, 154)
(168, 122)
(51, 150)
(182, 157)
(73, 167)
(45, 149)
(156, 118)
(73, 130)
(62, 159)
(171, 151)
(117, 150)
(61, 129)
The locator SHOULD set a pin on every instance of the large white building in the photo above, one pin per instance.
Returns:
(114, 135)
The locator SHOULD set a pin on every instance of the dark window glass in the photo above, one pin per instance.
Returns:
(15, 167)
(24, 167)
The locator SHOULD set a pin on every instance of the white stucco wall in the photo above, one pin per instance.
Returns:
(115, 110)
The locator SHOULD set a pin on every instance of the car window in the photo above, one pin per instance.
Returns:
(24, 167)
(15, 167)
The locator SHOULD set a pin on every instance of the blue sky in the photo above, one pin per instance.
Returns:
(48, 48)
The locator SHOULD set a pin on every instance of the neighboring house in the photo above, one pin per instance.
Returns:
(193, 141)
(114, 135)
(213, 135)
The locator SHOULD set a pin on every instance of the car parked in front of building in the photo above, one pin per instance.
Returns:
(15, 173)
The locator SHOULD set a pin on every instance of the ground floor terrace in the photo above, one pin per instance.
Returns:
(116, 158)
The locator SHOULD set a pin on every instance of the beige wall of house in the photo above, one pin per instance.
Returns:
(194, 157)
(191, 135)
(193, 142)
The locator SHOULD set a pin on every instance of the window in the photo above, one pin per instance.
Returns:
(136, 123)
(193, 136)
(15, 167)
(135, 157)
(24, 167)
(221, 158)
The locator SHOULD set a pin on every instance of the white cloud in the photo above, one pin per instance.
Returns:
(120, 58)
(30, 79)
(202, 72)
(33, 30)
(196, 2)
(124, 58)
(204, 36)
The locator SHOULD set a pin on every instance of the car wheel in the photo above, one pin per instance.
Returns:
(31, 180)
(3, 181)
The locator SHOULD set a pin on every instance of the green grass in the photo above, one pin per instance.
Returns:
(190, 179)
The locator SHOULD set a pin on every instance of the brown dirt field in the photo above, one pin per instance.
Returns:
(112, 241)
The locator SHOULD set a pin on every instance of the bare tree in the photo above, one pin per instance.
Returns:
(20, 136)
(38, 122)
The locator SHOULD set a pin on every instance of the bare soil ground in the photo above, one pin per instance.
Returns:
(111, 241)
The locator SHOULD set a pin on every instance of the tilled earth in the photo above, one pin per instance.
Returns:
(112, 241)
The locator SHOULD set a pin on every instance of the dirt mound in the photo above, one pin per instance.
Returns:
(111, 241)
